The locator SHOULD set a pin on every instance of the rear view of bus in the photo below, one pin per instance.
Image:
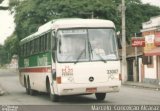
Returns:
(86, 58)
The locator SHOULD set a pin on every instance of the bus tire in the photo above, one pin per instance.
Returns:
(31, 91)
(100, 96)
(53, 97)
(26, 85)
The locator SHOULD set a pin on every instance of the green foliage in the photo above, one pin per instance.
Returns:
(30, 14)
(1, 1)
(13, 3)
(3, 55)
(10, 47)
(136, 14)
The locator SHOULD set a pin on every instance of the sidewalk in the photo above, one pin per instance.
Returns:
(141, 85)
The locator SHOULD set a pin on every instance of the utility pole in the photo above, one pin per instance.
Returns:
(136, 63)
(92, 15)
(124, 63)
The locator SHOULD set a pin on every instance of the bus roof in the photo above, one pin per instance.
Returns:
(69, 23)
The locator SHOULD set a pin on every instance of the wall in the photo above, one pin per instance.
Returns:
(140, 69)
(151, 71)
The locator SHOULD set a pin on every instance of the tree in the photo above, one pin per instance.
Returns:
(3, 57)
(11, 46)
(9, 49)
(135, 18)
(30, 14)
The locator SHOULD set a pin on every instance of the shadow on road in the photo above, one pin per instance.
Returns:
(74, 99)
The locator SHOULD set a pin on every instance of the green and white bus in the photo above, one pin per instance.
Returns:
(71, 57)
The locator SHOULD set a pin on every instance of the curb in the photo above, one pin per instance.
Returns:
(142, 86)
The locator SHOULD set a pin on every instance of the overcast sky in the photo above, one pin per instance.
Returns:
(153, 2)
(7, 22)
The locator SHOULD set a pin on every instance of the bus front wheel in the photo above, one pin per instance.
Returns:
(53, 97)
(100, 96)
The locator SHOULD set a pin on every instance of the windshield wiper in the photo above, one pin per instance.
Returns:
(102, 59)
(79, 56)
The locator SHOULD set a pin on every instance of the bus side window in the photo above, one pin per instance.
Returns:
(30, 52)
(28, 48)
(49, 41)
(33, 46)
(42, 43)
(21, 51)
(37, 45)
(45, 42)
(25, 50)
(44, 36)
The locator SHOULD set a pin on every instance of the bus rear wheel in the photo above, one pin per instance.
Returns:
(31, 91)
(54, 97)
(26, 86)
(100, 96)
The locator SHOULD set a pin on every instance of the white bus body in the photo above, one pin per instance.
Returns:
(80, 70)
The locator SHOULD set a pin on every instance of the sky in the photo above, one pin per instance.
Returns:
(7, 25)
(152, 2)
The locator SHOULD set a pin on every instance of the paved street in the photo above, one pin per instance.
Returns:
(15, 95)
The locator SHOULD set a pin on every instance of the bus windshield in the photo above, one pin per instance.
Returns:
(86, 44)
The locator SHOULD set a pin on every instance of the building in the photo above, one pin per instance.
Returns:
(134, 61)
(151, 58)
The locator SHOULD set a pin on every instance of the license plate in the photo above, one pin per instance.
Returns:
(91, 90)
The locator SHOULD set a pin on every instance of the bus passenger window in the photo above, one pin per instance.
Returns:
(45, 42)
(49, 41)
(37, 45)
(28, 49)
(22, 51)
(42, 43)
(31, 47)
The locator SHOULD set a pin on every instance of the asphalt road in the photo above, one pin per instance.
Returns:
(15, 95)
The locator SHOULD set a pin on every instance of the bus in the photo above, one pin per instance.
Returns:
(71, 56)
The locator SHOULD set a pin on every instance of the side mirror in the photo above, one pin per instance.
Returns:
(119, 40)
(54, 41)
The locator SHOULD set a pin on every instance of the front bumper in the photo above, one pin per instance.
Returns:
(73, 89)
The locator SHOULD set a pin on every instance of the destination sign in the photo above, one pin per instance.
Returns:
(75, 31)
